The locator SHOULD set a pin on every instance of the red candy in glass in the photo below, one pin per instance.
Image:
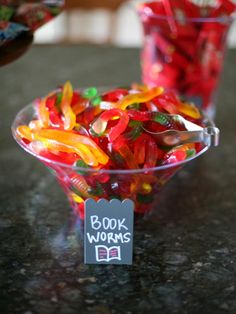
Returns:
(184, 45)
(19, 19)
(112, 156)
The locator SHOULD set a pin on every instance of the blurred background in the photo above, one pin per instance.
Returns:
(99, 22)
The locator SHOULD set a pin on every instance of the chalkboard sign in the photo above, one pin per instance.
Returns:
(108, 232)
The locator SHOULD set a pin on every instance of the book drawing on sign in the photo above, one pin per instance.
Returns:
(105, 254)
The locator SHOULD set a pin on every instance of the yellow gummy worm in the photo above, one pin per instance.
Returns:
(70, 117)
(82, 150)
(76, 198)
(66, 142)
(190, 110)
(74, 141)
(139, 97)
(43, 113)
(24, 132)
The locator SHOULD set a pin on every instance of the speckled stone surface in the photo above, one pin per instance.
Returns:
(184, 252)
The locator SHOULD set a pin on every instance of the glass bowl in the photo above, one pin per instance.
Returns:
(140, 185)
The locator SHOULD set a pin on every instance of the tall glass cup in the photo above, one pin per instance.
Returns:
(184, 54)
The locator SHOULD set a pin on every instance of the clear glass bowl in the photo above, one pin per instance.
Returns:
(141, 185)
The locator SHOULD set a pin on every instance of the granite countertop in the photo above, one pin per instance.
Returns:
(184, 252)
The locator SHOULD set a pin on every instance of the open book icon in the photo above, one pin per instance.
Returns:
(103, 253)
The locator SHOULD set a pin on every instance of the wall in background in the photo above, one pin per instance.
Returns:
(94, 26)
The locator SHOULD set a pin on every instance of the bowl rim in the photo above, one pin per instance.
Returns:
(49, 162)
(223, 19)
